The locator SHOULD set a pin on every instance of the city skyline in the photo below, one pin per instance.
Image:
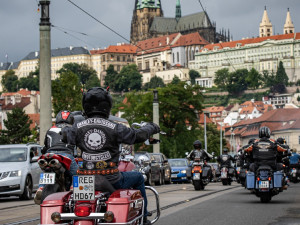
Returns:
(20, 31)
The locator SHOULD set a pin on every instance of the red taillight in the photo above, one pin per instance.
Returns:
(258, 178)
(294, 168)
(238, 172)
(82, 210)
(269, 178)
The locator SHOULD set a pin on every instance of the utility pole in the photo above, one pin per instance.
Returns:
(156, 147)
(221, 137)
(45, 70)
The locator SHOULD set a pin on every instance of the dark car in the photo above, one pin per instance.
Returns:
(180, 170)
(152, 170)
(165, 169)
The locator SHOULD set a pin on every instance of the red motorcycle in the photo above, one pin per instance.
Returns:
(85, 206)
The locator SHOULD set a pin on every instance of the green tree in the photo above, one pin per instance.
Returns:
(66, 92)
(268, 78)
(128, 79)
(175, 80)
(110, 78)
(17, 127)
(222, 78)
(10, 81)
(93, 81)
(83, 71)
(154, 83)
(178, 105)
(237, 82)
(32, 81)
(193, 75)
(254, 79)
(281, 77)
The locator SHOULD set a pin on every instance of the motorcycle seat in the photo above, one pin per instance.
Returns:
(265, 167)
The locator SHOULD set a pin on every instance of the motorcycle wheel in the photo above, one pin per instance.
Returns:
(224, 182)
(197, 185)
(265, 197)
(48, 190)
(27, 193)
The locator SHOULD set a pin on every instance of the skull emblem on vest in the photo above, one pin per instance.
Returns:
(94, 139)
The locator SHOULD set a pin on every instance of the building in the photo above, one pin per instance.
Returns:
(283, 123)
(4, 67)
(148, 21)
(117, 55)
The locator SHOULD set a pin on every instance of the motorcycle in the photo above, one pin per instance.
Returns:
(294, 175)
(56, 176)
(200, 173)
(86, 206)
(265, 183)
(226, 174)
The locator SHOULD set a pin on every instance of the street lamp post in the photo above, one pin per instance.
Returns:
(45, 70)
(221, 137)
(206, 113)
(156, 147)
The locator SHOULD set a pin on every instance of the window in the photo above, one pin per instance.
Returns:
(299, 140)
(178, 57)
(173, 57)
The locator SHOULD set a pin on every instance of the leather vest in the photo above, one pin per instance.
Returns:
(97, 140)
(225, 160)
(264, 150)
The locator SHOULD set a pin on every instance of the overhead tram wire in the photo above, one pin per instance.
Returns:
(60, 29)
(102, 23)
(219, 42)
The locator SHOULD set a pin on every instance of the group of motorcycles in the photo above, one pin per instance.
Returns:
(73, 200)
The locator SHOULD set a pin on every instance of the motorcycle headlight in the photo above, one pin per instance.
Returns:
(183, 171)
(16, 173)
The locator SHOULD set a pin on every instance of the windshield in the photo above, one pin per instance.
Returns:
(178, 163)
(141, 156)
(157, 158)
(13, 154)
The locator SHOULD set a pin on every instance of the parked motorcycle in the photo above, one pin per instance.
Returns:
(265, 183)
(201, 174)
(85, 206)
(294, 175)
(226, 175)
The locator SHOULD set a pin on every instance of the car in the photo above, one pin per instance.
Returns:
(165, 168)
(180, 170)
(152, 170)
(19, 170)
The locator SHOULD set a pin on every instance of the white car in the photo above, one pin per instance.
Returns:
(19, 170)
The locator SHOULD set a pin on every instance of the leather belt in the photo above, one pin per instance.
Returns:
(98, 172)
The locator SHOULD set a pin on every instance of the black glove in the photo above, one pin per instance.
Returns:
(156, 128)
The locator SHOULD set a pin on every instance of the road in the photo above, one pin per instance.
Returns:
(181, 204)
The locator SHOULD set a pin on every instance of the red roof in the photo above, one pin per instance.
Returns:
(35, 118)
(124, 48)
(201, 119)
(24, 102)
(233, 44)
(23, 92)
(190, 39)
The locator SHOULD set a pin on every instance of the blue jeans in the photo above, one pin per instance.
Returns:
(133, 180)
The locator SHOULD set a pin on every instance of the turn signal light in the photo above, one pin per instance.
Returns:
(109, 216)
(258, 178)
(269, 178)
(83, 210)
(55, 217)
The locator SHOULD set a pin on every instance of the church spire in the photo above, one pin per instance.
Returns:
(288, 26)
(178, 10)
(265, 27)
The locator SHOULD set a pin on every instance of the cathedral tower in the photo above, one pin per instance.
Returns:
(265, 27)
(178, 10)
(288, 26)
(143, 15)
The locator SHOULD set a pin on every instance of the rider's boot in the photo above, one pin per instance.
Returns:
(38, 196)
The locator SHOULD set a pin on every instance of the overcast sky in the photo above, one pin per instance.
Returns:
(19, 34)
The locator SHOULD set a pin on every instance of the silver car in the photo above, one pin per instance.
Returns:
(19, 170)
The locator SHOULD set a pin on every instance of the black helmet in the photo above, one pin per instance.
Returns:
(64, 116)
(225, 150)
(251, 141)
(97, 101)
(197, 144)
(264, 132)
(280, 140)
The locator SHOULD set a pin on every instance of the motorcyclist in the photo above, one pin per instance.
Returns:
(225, 159)
(99, 140)
(264, 151)
(294, 159)
(53, 144)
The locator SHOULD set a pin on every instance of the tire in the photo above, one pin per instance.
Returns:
(265, 197)
(160, 181)
(197, 185)
(150, 180)
(224, 182)
(27, 193)
(48, 190)
(168, 181)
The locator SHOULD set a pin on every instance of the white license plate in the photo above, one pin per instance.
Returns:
(174, 175)
(47, 178)
(263, 184)
(223, 174)
(83, 188)
(196, 176)
(294, 171)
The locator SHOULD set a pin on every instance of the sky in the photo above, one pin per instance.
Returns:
(19, 32)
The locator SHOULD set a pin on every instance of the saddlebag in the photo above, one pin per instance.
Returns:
(206, 172)
(230, 171)
(242, 173)
(278, 177)
(250, 180)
